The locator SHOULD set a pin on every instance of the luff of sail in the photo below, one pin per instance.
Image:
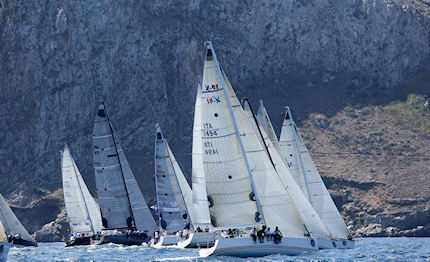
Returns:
(121, 202)
(82, 210)
(292, 142)
(10, 222)
(228, 181)
(277, 206)
(172, 209)
(200, 216)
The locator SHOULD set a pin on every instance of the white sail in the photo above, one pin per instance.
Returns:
(264, 121)
(291, 143)
(172, 209)
(277, 206)
(183, 184)
(308, 214)
(228, 182)
(121, 201)
(10, 222)
(200, 216)
(82, 210)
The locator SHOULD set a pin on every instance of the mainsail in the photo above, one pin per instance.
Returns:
(172, 188)
(82, 210)
(200, 216)
(228, 181)
(304, 170)
(10, 222)
(121, 201)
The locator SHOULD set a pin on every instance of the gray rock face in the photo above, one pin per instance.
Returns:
(143, 58)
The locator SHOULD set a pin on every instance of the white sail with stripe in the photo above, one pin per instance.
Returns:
(295, 152)
(171, 187)
(82, 210)
(121, 201)
(11, 224)
(200, 216)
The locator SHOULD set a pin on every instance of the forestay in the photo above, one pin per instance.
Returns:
(228, 182)
(121, 202)
(170, 187)
(276, 204)
(321, 199)
(82, 210)
(200, 215)
(10, 222)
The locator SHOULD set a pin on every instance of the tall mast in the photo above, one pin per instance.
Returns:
(293, 126)
(209, 46)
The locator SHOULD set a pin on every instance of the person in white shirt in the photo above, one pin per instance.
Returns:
(224, 234)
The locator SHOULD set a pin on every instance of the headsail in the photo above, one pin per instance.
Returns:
(200, 216)
(82, 210)
(276, 204)
(11, 224)
(172, 188)
(228, 182)
(293, 148)
(121, 201)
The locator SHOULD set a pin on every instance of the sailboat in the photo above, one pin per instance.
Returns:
(4, 245)
(307, 176)
(14, 230)
(243, 187)
(82, 210)
(174, 197)
(203, 234)
(126, 217)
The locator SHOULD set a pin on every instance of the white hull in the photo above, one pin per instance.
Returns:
(4, 250)
(167, 241)
(199, 240)
(246, 247)
(325, 243)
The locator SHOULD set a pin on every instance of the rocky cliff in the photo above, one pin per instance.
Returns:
(143, 58)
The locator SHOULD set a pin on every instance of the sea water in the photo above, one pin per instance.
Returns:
(366, 249)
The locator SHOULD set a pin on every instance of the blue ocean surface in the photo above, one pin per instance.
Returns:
(367, 249)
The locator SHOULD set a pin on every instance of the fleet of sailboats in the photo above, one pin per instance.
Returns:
(245, 184)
